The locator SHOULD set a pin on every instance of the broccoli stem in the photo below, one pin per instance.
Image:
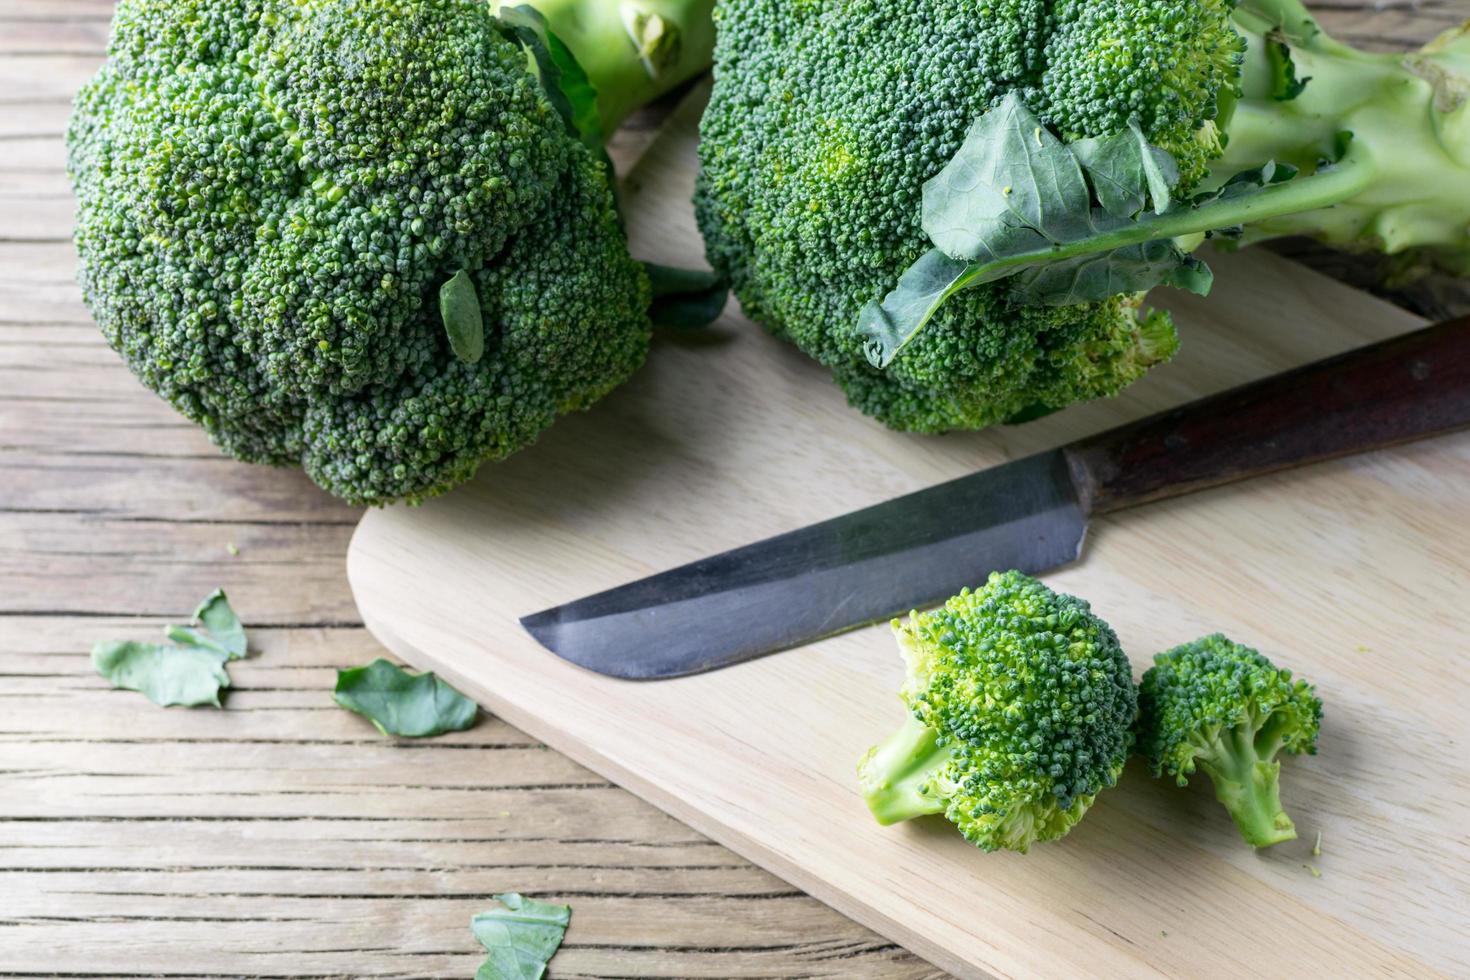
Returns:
(1406, 115)
(896, 771)
(1249, 786)
(633, 50)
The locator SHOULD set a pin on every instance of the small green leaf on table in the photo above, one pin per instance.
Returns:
(400, 703)
(167, 675)
(520, 938)
(191, 670)
(221, 628)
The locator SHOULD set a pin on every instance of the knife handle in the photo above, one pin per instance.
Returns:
(1409, 387)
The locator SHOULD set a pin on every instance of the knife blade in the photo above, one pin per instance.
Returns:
(1030, 514)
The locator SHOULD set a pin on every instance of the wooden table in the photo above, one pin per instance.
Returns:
(283, 837)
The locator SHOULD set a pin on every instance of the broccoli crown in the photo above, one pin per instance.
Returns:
(1224, 708)
(1021, 706)
(270, 195)
(827, 118)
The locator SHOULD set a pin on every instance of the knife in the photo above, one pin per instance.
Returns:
(1031, 514)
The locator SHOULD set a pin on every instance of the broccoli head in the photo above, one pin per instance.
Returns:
(1020, 708)
(272, 194)
(1222, 707)
(828, 119)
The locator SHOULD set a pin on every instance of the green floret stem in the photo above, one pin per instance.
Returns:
(1248, 783)
(633, 50)
(1404, 118)
(896, 772)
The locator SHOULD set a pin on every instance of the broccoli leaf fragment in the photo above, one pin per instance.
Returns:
(1113, 165)
(222, 631)
(1285, 86)
(191, 670)
(459, 306)
(400, 703)
(566, 83)
(685, 299)
(520, 938)
(1067, 223)
(167, 675)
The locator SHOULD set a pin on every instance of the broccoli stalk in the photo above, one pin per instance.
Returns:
(1241, 763)
(1405, 120)
(633, 51)
(897, 772)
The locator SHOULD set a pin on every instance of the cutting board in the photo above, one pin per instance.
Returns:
(1353, 572)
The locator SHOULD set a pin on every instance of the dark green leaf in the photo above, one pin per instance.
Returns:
(566, 84)
(520, 938)
(400, 703)
(1014, 203)
(685, 298)
(1115, 164)
(1011, 187)
(221, 628)
(166, 675)
(1095, 277)
(922, 289)
(1285, 86)
(459, 306)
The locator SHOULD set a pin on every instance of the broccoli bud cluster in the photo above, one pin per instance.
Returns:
(270, 196)
(1021, 710)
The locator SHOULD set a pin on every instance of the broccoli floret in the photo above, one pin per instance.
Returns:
(1224, 708)
(1021, 705)
(827, 119)
(271, 194)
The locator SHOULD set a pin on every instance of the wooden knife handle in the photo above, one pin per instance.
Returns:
(1406, 388)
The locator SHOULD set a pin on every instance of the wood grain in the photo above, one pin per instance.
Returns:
(1350, 571)
(283, 837)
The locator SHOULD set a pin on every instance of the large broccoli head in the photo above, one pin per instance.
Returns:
(1020, 706)
(827, 119)
(271, 194)
(1222, 707)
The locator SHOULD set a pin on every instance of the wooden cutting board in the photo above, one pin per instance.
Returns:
(1353, 572)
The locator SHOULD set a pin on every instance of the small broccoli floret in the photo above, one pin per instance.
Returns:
(1020, 703)
(271, 194)
(1222, 707)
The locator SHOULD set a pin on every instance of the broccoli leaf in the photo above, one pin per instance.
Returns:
(1012, 187)
(166, 675)
(566, 83)
(1065, 223)
(685, 299)
(400, 703)
(459, 307)
(1087, 278)
(1285, 86)
(222, 631)
(519, 938)
(1113, 164)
